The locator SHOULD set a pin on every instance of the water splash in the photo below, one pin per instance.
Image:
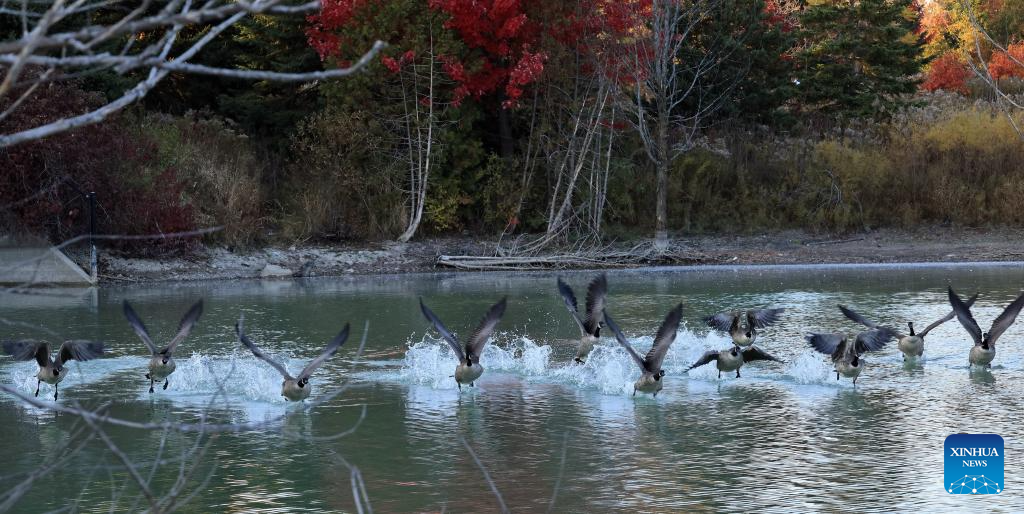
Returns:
(608, 369)
(432, 362)
(239, 376)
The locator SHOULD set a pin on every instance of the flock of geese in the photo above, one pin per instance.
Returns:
(742, 327)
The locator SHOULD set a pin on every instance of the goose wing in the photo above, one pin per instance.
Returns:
(443, 330)
(79, 351)
(138, 326)
(947, 317)
(708, 356)
(625, 344)
(857, 318)
(963, 313)
(755, 354)
(666, 335)
(829, 344)
(874, 339)
(185, 327)
(596, 292)
(761, 318)
(1005, 319)
(722, 321)
(570, 303)
(483, 331)
(259, 353)
(27, 350)
(329, 351)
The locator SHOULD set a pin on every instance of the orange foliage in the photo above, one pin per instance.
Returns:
(947, 72)
(1002, 65)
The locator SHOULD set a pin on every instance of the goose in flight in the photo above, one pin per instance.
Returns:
(469, 368)
(161, 362)
(846, 354)
(294, 388)
(742, 327)
(650, 365)
(51, 370)
(912, 344)
(732, 359)
(590, 327)
(984, 349)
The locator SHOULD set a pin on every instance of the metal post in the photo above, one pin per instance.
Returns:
(93, 257)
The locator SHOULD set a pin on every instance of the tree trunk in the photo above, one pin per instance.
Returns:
(664, 160)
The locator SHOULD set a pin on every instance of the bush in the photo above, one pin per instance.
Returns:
(343, 183)
(220, 172)
(42, 181)
(962, 167)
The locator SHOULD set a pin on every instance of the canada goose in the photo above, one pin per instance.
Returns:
(732, 359)
(294, 388)
(590, 328)
(912, 345)
(469, 368)
(984, 349)
(743, 334)
(51, 371)
(161, 362)
(650, 365)
(847, 356)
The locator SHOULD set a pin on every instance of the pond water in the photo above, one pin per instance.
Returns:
(550, 433)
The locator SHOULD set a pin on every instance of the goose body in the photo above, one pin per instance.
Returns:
(742, 327)
(590, 327)
(846, 355)
(161, 362)
(984, 349)
(650, 365)
(469, 369)
(912, 344)
(980, 356)
(732, 359)
(51, 370)
(294, 388)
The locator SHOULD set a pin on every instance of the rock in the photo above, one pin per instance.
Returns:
(273, 271)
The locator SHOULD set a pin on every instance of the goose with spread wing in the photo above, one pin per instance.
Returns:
(912, 344)
(984, 349)
(650, 365)
(161, 362)
(469, 368)
(732, 359)
(741, 326)
(590, 327)
(846, 354)
(51, 370)
(295, 388)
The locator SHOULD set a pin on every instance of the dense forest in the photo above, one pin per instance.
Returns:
(570, 121)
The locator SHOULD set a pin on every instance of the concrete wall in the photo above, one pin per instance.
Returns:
(39, 265)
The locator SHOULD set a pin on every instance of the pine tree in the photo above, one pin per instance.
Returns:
(860, 57)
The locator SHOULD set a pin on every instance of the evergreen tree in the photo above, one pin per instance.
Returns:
(860, 57)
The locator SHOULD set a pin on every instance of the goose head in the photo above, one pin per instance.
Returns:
(910, 324)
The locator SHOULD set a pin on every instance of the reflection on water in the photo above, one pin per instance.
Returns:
(785, 437)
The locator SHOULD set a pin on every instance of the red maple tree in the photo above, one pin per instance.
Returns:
(500, 38)
(1001, 65)
(947, 72)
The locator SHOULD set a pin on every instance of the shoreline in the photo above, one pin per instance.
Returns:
(923, 246)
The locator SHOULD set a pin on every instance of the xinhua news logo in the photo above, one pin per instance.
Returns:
(974, 464)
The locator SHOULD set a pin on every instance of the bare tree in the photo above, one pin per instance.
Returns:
(419, 127)
(62, 54)
(673, 86)
(975, 58)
